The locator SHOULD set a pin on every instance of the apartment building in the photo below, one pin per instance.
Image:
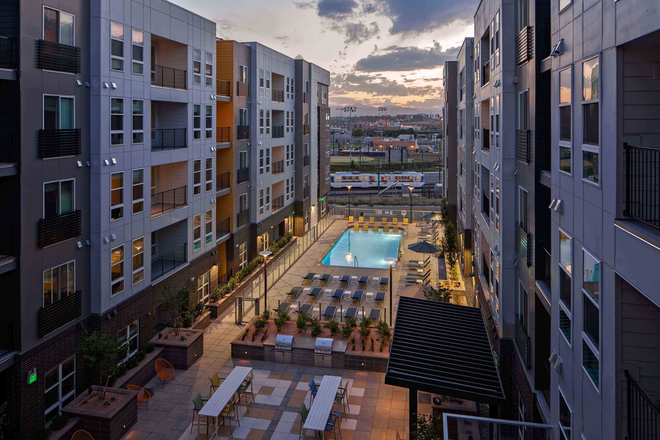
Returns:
(449, 153)
(605, 232)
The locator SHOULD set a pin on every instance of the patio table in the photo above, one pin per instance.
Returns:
(323, 402)
(223, 394)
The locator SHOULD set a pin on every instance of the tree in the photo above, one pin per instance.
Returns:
(357, 132)
(441, 294)
(177, 303)
(450, 245)
(428, 428)
(100, 355)
(444, 212)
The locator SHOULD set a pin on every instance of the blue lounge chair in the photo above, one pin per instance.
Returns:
(284, 307)
(357, 295)
(295, 291)
(364, 279)
(384, 281)
(345, 279)
(330, 311)
(380, 296)
(337, 294)
(316, 291)
(326, 277)
(306, 309)
(309, 276)
(350, 312)
(374, 314)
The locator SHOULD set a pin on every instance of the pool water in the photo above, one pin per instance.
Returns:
(368, 249)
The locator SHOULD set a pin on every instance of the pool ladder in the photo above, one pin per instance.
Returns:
(356, 263)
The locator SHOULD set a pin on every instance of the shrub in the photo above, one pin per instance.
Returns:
(187, 320)
(316, 327)
(59, 422)
(333, 326)
(263, 338)
(140, 355)
(365, 330)
(281, 320)
(441, 294)
(149, 347)
(301, 323)
(346, 331)
(40, 434)
(132, 362)
(265, 315)
(351, 322)
(199, 309)
(259, 324)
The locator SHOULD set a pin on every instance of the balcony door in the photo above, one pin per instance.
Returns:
(58, 113)
(59, 198)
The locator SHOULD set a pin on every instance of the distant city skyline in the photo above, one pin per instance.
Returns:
(383, 53)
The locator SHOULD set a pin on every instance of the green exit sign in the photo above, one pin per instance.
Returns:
(32, 376)
(321, 199)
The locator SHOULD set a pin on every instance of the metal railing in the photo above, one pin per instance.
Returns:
(278, 203)
(59, 228)
(7, 147)
(643, 416)
(222, 88)
(485, 139)
(305, 128)
(222, 228)
(169, 200)
(278, 131)
(58, 57)
(223, 181)
(168, 139)
(169, 261)
(59, 143)
(168, 77)
(242, 89)
(8, 53)
(306, 192)
(306, 160)
(642, 181)
(278, 167)
(525, 45)
(242, 218)
(524, 246)
(242, 175)
(57, 314)
(243, 132)
(306, 97)
(486, 428)
(523, 341)
(485, 74)
(523, 143)
(223, 134)
(278, 95)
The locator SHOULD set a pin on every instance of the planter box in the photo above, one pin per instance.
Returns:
(101, 425)
(181, 354)
(141, 374)
(202, 321)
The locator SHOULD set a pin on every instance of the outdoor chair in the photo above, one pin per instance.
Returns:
(345, 279)
(81, 434)
(215, 382)
(371, 220)
(384, 221)
(198, 404)
(386, 228)
(309, 277)
(225, 414)
(347, 295)
(375, 280)
(395, 221)
(384, 281)
(356, 226)
(350, 219)
(284, 307)
(295, 291)
(143, 396)
(303, 418)
(364, 279)
(245, 391)
(350, 312)
(405, 221)
(329, 312)
(342, 398)
(374, 314)
(313, 389)
(360, 220)
(365, 227)
(380, 296)
(315, 292)
(306, 308)
(335, 279)
(370, 297)
(164, 370)
(333, 424)
(326, 277)
(337, 294)
(357, 295)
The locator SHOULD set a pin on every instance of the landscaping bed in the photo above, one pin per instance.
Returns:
(181, 350)
(141, 374)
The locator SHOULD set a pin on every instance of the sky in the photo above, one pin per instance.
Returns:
(379, 52)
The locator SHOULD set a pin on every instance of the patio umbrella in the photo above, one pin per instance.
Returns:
(424, 247)
(433, 216)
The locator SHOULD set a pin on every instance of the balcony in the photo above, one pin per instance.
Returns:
(59, 228)
(278, 203)
(523, 341)
(222, 134)
(278, 167)
(485, 140)
(62, 312)
(169, 261)
(643, 415)
(278, 95)
(523, 144)
(168, 139)
(305, 97)
(223, 181)
(8, 53)
(306, 161)
(169, 200)
(306, 192)
(242, 175)
(243, 132)
(278, 131)
(223, 88)
(8, 251)
(242, 89)
(525, 45)
(524, 246)
(642, 184)
(59, 143)
(305, 129)
(222, 229)
(162, 76)
(58, 57)
(242, 218)
(8, 155)
(485, 74)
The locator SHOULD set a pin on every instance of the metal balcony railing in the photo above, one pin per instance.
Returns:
(58, 57)
(169, 200)
(8, 53)
(306, 192)
(523, 341)
(643, 416)
(59, 143)
(59, 228)
(169, 261)
(306, 160)
(278, 131)
(278, 203)
(524, 246)
(62, 312)
(223, 181)
(222, 134)
(162, 76)
(242, 89)
(242, 175)
(523, 146)
(525, 45)
(278, 95)
(242, 218)
(305, 128)
(222, 228)
(7, 248)
(223, 88)
(278, 167)
(169, 139)
(485, 73)
(7, 145)
(243, 132)
(305, 97)
(485, 139)
(642, 184)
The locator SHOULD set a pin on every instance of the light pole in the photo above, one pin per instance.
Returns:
(411, 213)
(391, 260)
(265, 254)
(349, 199)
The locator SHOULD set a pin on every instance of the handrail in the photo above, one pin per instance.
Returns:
(223, 88)
(278, 131)
(642, 180)
(643, 416)
(168, 200)
(278, 167)
(242, 175)
(222, 228)
(278, 203)
(243, 132)
(222, 134)
(168, 139)
(169, 261)
(223, 181)
(8, 53)
(163, 76)
(278, 95)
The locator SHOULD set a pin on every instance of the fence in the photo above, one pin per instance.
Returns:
(642, 180)
(455, 426)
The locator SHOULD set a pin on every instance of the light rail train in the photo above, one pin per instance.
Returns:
(370, 180)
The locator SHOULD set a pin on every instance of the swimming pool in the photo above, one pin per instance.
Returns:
(366, 249)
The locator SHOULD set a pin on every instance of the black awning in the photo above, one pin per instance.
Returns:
(444, 349)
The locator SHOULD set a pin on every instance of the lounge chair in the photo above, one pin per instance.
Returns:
(337, 294)
(380, 296)
(384, 220)
(405, 221)
(326, 277)
(386, 228)
(329, 312)
(374, 314)
(315, 292)
(365, 227)
(310, 276)
(295, 291)
(360, 220)
(357, 295)
(395, 221)
(350, 312)
(384, 281)
(356, 226)
(350, 219)
(284, 307)
(306, 309)
(345, 279)
(364, 279)
(371, 220)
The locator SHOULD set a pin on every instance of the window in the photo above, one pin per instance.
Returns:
(59, 27)
(138, 191)
(565, 119)
(267, 76)
(268, 199)
(267, 121)
(565, 252)
(138, 121)
(209, 122)
(208, 227)
(462, 125)
(209, 174)
(116, 121)
(495, 41)
(117, 269)
(523, 208)
(59, 113)
(242, 203)
(203, 288)
(495, 121)
(261, 81)
(197, 232)
(60, 388)
(565, 285)
(197, 121)
(197, 177)
(208, 57)
(324, 94)
(523, 110)
(477, 63)
(197, 66)
(523, 306)
(591, 319)
(522, 18)
(261, 121)
(116, 196)
(565, 417)
(242, 116)
(59, 283)
(138, 52)
(261, 161)
(477, 118)
(59, 198)
(154, 246)
(563, 4)
(243, 74)
(591, 277)
(590, 361)
(267, 160)
(286, 190)
(261, 201)
(591, 116)
(128, 341)
(243, 160)
(497, 203)
(116, 46)
(138, 260)
(242, 255)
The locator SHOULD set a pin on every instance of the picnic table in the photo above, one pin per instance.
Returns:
(224, 393)
(322, 406)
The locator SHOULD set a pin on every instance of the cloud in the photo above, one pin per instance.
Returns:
(351, 83)
(408, 58)
(420, 16)
(282, 38)
(336, 9)
(304, 5)
(356, 33)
